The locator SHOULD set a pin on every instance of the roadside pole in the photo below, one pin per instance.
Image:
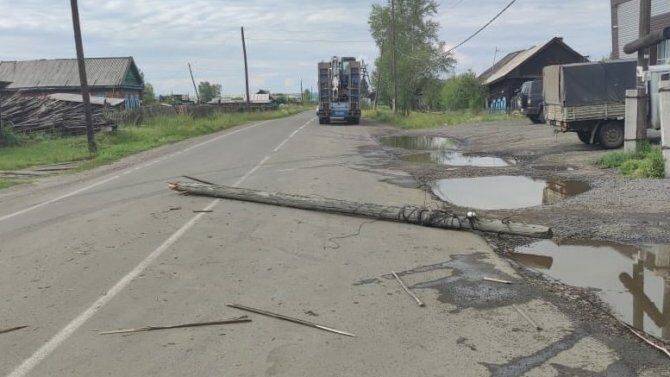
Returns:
(393, 59)
(246, 69)
(195, 87)
(635, 132)
(664, 104)
(85, 94)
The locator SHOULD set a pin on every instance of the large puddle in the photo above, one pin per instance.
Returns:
(453, 158)
(635, 282)
(505, 192)
(418, 142)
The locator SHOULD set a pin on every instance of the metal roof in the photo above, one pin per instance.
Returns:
(64, 73)
(95, 100)
(515, 59)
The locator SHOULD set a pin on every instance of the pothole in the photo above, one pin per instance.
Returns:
(505, 192)
(418, 142)
(453, 158)
(635, 282)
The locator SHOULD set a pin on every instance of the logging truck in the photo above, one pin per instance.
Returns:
(339, 91)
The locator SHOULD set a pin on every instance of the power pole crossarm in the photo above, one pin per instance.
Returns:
(83, 81)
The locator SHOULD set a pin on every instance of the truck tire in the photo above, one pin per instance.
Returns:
(584, 136)
(611, 135)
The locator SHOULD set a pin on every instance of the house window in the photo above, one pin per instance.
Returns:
(663, 52)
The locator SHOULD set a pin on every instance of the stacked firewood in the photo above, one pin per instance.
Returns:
(23, 114)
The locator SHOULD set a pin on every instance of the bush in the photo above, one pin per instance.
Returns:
(463, 92)
(9, 138)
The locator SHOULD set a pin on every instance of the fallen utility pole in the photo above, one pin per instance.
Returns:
(407, 214)
(246, 68)
(289, 319)
(83, 81)
(241, 319)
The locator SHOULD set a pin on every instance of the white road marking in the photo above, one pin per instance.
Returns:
(43, 352)
(126, 172)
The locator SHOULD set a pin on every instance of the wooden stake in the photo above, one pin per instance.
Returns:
(402, 284)
(290, 319)
(3, 331)
(498, 281)
(241, 319)
(530, 320)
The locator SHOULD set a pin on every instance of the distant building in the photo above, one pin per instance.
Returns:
(107, 78)
(504, 79)
(626, 28)
(176, 99)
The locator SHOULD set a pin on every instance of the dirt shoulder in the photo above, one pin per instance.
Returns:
(614, 209)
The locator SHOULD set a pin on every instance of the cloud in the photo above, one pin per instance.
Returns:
(164, 35)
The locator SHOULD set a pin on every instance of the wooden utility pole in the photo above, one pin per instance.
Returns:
(246, 68)
(379, 75)
(302, 94)
(85, 94)
(393, 59)
(637, 109)
(195, 87)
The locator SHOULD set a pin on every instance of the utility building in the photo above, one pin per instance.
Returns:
(113, 78)
(626, 28)
(504, 79)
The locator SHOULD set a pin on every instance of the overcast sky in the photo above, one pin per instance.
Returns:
(285, 38)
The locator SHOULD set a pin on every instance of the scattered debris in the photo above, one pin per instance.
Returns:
(402, 284)
(203, 211)
(10, 329)
(407, 214)
(289, 319)
(313, 314)
(174, 209)
(241, 319)
(530, 320)
(497, 280)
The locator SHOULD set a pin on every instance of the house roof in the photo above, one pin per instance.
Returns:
(99, 101)
(64, 73)
(515, 59)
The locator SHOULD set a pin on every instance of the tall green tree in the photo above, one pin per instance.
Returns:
(421, 58)
(148, 95)
(208, 91)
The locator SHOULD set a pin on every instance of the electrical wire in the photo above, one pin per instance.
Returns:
(305, 40)
(466, 40)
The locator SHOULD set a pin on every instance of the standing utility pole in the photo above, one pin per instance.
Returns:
(393, 59)
(302, 94)
(195, 87)
(637, 108)
(246, 68)
(85, 94)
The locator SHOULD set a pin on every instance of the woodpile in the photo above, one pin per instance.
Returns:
(23, 114)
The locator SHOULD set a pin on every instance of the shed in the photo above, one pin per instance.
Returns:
(504, 79)
(116, 77)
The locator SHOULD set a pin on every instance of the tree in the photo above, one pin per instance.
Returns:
(463, 92)
(421, 58)
(208, 92)
(148, 95)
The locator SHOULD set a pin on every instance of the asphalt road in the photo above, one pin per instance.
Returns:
(114, 248)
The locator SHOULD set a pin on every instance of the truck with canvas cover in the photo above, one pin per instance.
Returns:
(589, 99)
(340, 91)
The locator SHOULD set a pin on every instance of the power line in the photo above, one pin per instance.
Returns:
(305, 40)
(466, 40)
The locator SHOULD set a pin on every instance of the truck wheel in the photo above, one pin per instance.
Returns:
(584, 136)
(611, 135)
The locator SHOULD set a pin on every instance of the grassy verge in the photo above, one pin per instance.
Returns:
(647, 163)
(4, 183)
(417, 120)
(127, 140)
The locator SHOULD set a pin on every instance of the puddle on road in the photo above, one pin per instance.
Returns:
(453, 158)
(635, 282)
(418, 142)
(505, 192)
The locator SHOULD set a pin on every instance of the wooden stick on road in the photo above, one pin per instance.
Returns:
(530, 320)
(402, 284)
(10, 329)
(290, 319)
(241, 319)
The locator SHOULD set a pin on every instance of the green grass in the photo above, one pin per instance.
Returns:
(4, 183)
(127, 140)
(418, 120)
(646, 163)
